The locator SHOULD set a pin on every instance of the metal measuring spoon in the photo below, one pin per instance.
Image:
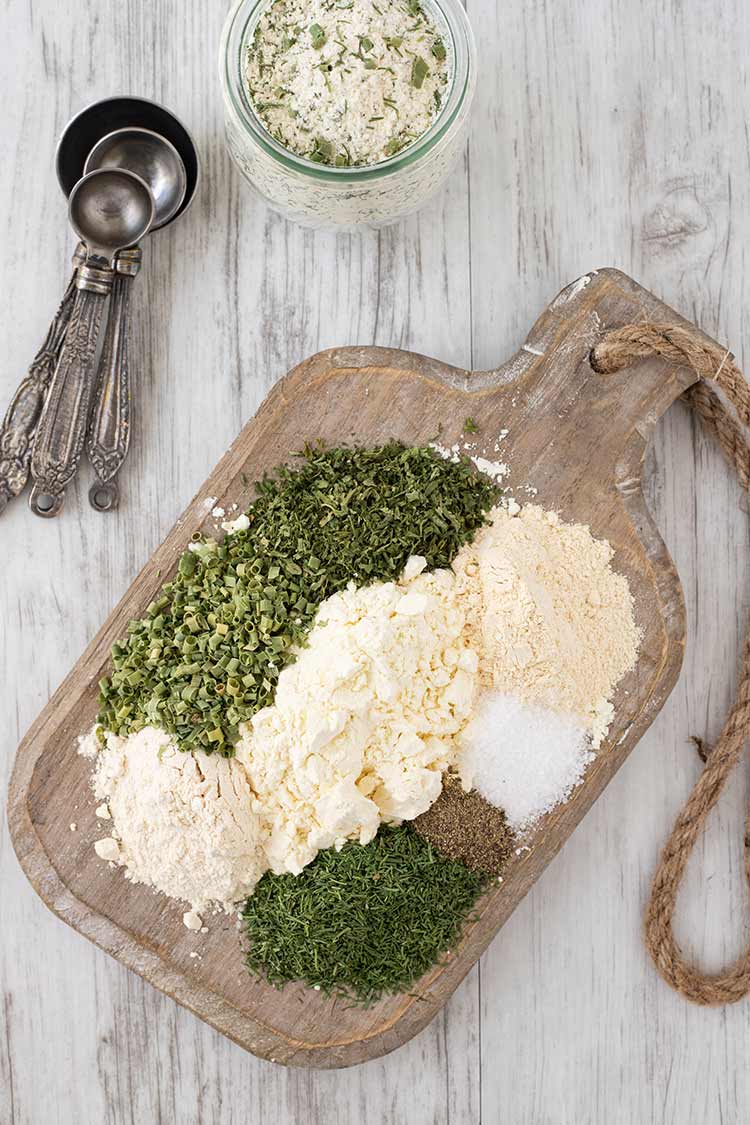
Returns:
(22, 416)
(110, 210)
(160, 166)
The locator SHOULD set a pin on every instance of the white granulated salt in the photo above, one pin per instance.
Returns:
(522, 758)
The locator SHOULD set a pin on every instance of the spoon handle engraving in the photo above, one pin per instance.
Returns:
(62, 428)
(22, 416)
(108, 437)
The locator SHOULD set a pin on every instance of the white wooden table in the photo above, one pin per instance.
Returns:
(605, 133)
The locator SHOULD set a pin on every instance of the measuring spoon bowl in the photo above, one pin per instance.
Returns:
(150, 156)
(98, 120)
(111, 209)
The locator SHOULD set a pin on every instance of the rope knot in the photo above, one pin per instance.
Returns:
(713, 365)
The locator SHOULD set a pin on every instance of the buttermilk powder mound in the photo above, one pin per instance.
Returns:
(552, 622)
(364, 722)
(180, 822)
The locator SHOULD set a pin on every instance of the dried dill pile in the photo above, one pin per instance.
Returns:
(208, 652)
(465, 827)
(361, 922)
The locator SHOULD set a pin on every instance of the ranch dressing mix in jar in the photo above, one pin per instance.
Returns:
(347, 112)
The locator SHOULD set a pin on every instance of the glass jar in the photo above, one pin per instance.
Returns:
(369, 195)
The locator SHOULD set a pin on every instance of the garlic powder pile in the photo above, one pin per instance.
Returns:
(347, 82)
(552, 622)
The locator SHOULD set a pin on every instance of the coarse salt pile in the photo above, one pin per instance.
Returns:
(522, 758)
(552, 622)
(181, 822)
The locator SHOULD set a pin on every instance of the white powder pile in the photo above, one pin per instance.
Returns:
(552, 622)
(181, 822)
(521, 758)
(363, 724)
(347, 83)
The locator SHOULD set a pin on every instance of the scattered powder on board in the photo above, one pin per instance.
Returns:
(523, 758)
(552, 622)
(496, 470)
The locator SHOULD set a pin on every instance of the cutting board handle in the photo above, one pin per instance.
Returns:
(605, 420)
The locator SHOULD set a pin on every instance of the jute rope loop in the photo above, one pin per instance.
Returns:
(720, 379)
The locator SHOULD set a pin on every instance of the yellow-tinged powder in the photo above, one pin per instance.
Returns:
(552, 622)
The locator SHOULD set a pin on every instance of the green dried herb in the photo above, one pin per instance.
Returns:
(361, 922)
(419, 71)
(399, 142)
(438, 50)
(208, 652)
(322, 151)
(318, 36)
(470, 426)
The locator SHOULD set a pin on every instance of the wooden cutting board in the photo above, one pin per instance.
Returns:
(576, 437)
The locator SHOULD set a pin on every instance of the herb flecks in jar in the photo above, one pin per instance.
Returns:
(347, 82)
(320, 188)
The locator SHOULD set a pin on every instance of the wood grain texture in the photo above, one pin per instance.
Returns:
(580, 438)
(604, 132)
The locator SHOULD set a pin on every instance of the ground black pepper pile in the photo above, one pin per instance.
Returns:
(463, 826)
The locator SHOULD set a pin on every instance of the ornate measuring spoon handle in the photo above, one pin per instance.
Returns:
(22, 416)
(62, 427)
(108, 436)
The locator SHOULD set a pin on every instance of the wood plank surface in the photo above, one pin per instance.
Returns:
(578, 439)
(605, 132)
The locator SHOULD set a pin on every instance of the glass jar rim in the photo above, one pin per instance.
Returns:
(234, 39)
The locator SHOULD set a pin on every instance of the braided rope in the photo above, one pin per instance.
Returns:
(715, 366)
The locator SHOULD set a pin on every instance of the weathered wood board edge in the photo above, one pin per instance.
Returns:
(38, 865)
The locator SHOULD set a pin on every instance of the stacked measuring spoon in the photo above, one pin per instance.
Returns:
(129, 168)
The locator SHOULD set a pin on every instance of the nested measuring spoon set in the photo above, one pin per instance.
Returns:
(129, 168)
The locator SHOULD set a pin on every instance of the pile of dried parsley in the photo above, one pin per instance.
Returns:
(209, 650)
(360, 922)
